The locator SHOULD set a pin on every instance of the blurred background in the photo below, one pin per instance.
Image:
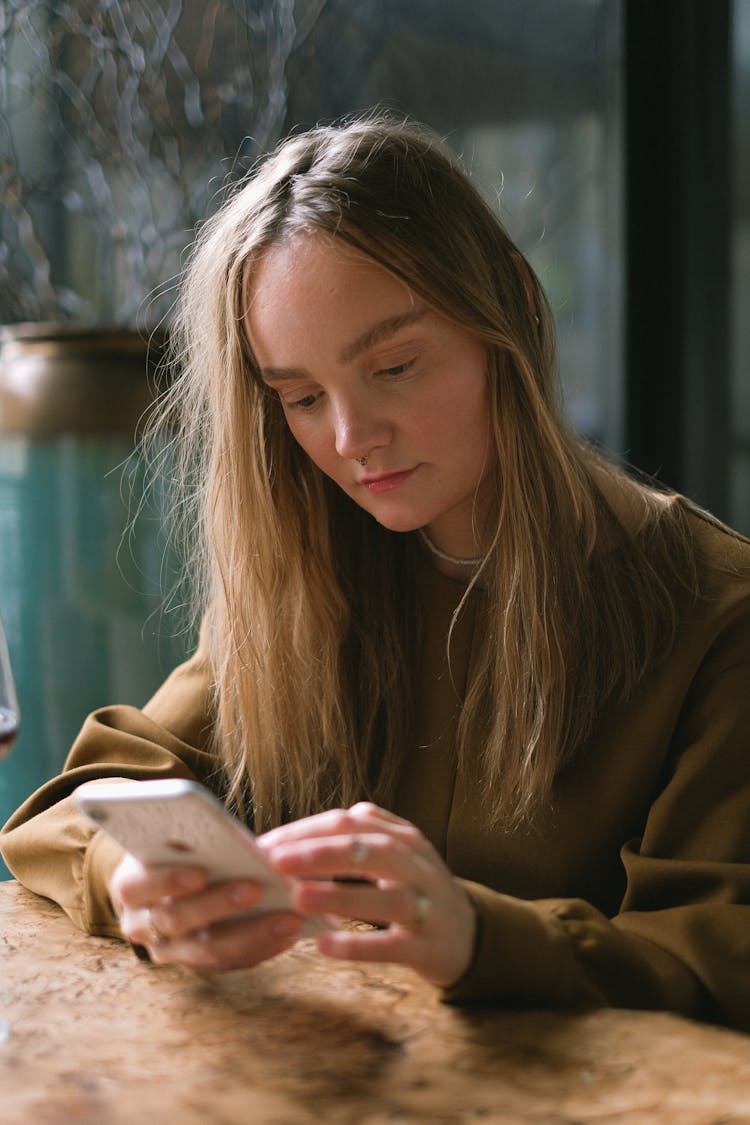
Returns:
(610, 134)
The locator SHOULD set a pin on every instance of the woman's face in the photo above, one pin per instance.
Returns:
(365, 370)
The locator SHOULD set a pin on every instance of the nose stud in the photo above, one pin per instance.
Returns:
(362, 460)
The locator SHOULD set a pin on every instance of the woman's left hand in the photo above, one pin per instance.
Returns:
(425, 917)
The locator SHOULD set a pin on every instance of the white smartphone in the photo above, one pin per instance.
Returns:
(179, 823)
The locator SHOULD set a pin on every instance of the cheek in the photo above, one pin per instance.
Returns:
(313, 440)
(458, 419)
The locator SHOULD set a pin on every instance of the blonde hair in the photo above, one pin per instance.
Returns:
(310, 619)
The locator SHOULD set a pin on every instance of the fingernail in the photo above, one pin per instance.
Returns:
(286, 926)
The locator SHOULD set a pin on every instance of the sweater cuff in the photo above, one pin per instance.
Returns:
(522, 953)
(102, 857)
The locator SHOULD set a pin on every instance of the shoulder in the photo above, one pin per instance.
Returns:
(718, 543)
(720, 612)
(699, 563)
(722, 556)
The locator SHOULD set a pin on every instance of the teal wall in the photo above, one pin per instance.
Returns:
(82, 606)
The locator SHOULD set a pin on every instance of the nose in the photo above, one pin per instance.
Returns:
(358, 429)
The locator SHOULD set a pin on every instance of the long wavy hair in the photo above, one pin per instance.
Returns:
(308, 604)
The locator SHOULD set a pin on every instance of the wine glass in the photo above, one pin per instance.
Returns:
(9, 718)
(9, 712)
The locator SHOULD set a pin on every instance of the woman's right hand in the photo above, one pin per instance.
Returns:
(180, 920)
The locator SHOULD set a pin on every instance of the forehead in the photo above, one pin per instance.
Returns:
(315, 290)
(323, 260)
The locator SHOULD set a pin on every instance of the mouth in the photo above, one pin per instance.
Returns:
(385, 482)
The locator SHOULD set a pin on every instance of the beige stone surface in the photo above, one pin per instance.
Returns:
(96, 1037)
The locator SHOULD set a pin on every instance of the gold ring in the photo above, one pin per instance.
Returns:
(422, 910)
(360, 851)
(155, 937)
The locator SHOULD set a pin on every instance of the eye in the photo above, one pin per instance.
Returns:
(304, 403)
(284, 395)
(397, 369)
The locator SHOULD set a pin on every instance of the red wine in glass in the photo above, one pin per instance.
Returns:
(8, 730)
(9, 713)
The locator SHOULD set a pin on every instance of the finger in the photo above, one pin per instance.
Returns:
(373, 856)
(392, 906)
(320, 824)
(173, 917)
(231, 945)
(375, 819)
(138, 886)
(360, 818)
(395, 945)
(138, 928)
(367, 809)
(437, 942)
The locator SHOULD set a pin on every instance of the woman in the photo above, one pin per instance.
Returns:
(475, 685)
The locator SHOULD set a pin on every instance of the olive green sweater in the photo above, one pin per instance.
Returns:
(634, 891)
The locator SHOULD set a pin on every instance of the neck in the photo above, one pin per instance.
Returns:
(452, 560)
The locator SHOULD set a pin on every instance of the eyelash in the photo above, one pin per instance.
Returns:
(397, 369)
(307, 402)
(302, 403)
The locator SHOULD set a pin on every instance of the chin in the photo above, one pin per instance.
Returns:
(395, 517)
(400, 523)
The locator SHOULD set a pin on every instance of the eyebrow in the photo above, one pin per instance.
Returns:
(373, 335)
(380, 331)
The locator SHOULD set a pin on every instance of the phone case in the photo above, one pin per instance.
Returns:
(180, 823)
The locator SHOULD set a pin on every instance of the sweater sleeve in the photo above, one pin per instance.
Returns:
(681, 938)
(52, 848)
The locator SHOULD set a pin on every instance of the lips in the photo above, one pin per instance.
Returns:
(387, 481)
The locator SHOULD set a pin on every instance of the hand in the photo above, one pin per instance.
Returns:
(426, 917)
(180, 920)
